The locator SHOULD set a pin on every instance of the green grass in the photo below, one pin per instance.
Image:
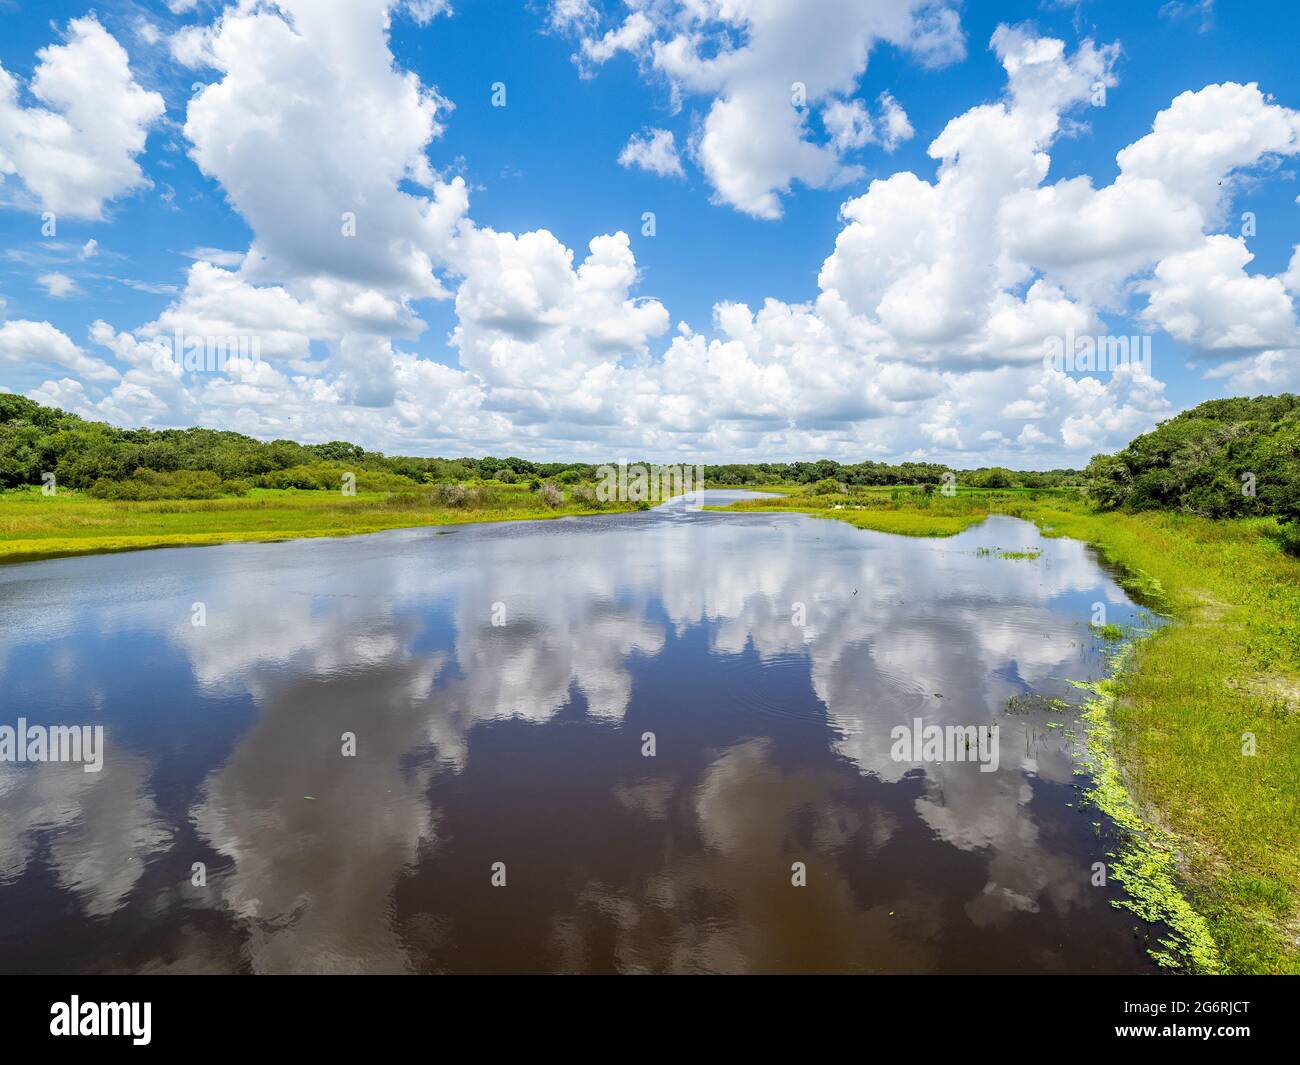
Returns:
(879, 509)
(1187, 695)
(33, 526)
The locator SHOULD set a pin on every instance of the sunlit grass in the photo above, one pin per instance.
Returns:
(33, 526)
(883, 509)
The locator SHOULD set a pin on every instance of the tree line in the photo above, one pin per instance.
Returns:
(1224, 458)
(197, 463)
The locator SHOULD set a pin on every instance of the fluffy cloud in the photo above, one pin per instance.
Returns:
(851, 126)
(1172, 185)
(546, 336)
(311, 134)
(654, 150)
(634, 32)
(219, 302)
(894, 125)
(25, 342)
(764, 67)
(289, 131)
(1204, 136)
(925, 337)
(1205, 297)
(425, 11)
(78, 149)
(57, 285)
(939, 293)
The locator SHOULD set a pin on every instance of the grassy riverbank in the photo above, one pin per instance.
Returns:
(33, 526)
(1188, 695)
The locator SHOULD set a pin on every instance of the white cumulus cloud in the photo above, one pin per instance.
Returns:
(654, 150)
(77, 147)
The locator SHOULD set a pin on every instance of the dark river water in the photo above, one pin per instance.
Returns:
(502, 686)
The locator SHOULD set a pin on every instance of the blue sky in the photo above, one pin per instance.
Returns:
(549, 362)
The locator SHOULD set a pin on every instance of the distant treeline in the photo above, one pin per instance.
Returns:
(154, 463)
(1227, 457)
(1224, 458)
(202, 463)
(865, 474)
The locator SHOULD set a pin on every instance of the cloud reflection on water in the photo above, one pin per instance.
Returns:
(391, 637)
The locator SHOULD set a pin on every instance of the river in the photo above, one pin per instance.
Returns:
(664, 741)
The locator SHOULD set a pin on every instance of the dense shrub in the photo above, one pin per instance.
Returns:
(465, 495)
(827, 486)
(329, 476)
(995, 477)
(155, 484)
(455, 495)
(1224, 458)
